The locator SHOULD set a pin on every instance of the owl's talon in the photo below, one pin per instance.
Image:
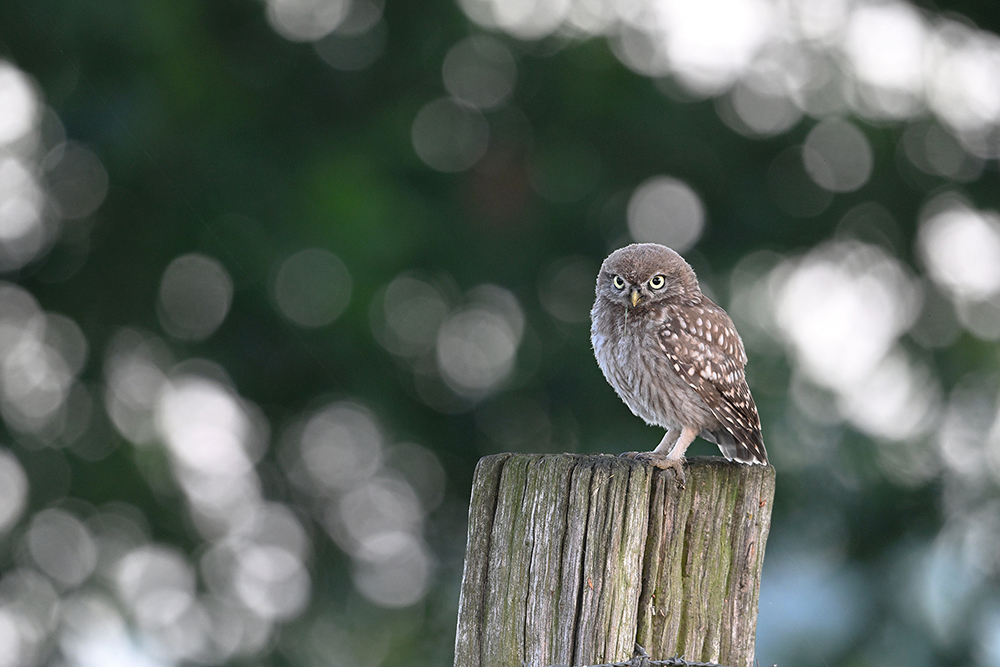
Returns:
(664, 462)
(629, 455)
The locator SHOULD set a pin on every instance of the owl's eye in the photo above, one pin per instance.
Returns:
(618, 282)
(657, 282)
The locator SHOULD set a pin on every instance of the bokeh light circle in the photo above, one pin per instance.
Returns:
(61, 546)
(479, 71)
(13, 490)
(757, 106)
(157, 585)
(195, 295)
(77, 180)
(449, 136)
(340, 445)
(306, 20)
(18, 103)
(353, 51)
(566, 289)
(397, 571)
(666, 210)
(885, 46)
(709, 43)
(23, 233)
(312, 287)
(205, 426)
(477, 345)
(407, 315)
(837, 156)
(525, 19)
(961, 247)
(272, 582)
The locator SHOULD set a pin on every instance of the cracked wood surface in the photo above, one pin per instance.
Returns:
(572, 559)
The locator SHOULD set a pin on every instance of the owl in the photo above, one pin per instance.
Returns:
(673, 356)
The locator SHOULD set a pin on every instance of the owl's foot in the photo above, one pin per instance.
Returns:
(661, 461)
(664, 462)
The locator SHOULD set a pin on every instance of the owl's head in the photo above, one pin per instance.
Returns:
(644, 273)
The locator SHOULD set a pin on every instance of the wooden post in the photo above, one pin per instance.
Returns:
(574, 559)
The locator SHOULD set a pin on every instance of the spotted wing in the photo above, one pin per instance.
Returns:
(703, 347)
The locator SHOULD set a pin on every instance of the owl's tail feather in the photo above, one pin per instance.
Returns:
(734, 450)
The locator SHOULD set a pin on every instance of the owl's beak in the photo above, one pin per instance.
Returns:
(635, 296)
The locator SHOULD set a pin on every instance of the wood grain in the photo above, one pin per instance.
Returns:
(573, 559)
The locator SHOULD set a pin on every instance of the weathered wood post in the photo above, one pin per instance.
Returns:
(574, 559)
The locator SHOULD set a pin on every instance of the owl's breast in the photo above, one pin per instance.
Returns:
(635, 366)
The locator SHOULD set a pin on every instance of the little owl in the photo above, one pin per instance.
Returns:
(673, 356)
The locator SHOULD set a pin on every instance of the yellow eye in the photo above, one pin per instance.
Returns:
(618, 282)
(657, 282)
